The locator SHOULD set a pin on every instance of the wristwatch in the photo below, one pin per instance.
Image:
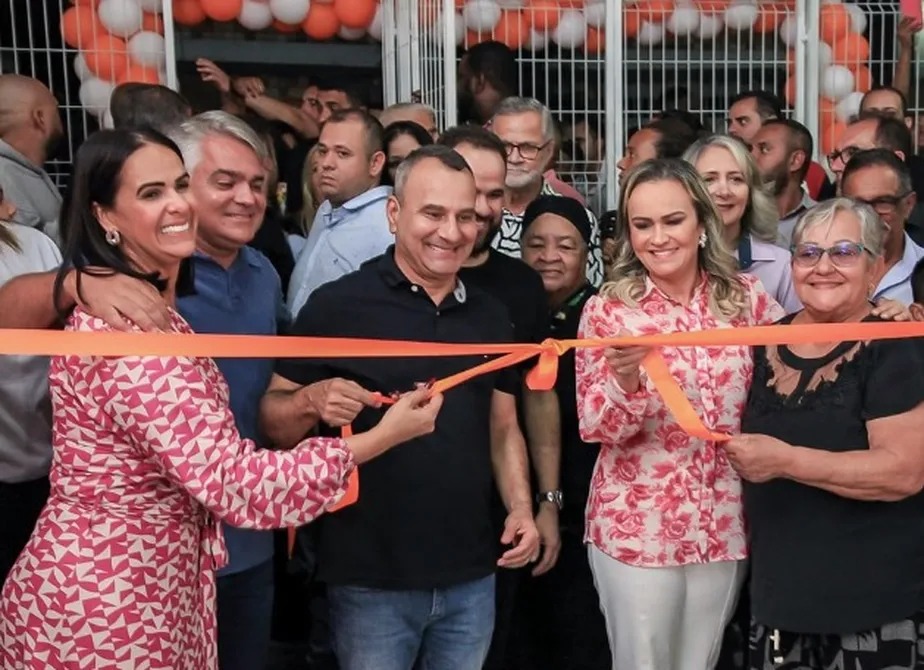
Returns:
(554, 497)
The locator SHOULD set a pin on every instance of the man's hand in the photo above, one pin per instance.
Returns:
(249, 87)
(907, 28)
(120, 301)
(520, 531)
(210, 72)
(549, 538)
(337, 401)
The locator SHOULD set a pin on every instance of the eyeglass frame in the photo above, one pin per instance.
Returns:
(827, 250)
(839, 154)
(890, 201)
(509, 148)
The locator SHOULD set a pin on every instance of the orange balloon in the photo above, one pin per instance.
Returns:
(655, 10)
(862, 79)
(321, 23)
(851, 50)
(80, 26)
(830, 134)
(222, 10)
(153, 22)
(108, 58)
(789, 91)
(138, 74)
(543, 14)
(596, 40)
(769, 18)
(355, 13)
(826, 115)
(188, 12)
(631, 21)
(512, 29)
(712, 6)
(835, 22)
(286, 27)
(460, 4)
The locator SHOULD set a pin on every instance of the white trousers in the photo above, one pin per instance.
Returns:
(669, 618)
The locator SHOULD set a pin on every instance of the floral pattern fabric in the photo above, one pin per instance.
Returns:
(120, 569)
(658, 496)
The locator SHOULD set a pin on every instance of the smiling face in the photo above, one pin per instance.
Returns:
(522, 134)
(829, 291)
(553, 247)
(228, 191)
(489, 171)
(434, 222)
(664, 231)
(150, 211)
(726, 183)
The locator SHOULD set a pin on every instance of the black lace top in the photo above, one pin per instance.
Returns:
(822, 563)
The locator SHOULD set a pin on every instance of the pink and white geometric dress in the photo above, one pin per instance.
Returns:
(120, 569)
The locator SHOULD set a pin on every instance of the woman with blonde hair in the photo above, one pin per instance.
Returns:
(749, 215)
(664, 517)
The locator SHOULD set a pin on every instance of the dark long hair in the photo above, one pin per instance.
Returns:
(96, 181)
(399, 129)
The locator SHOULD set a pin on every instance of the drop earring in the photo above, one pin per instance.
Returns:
(113, 237)
(702, 240)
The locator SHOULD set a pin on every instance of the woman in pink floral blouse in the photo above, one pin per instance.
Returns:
(664, 517)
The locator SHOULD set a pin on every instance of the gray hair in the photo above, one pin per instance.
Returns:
(190, 134)
(410, 107)
(517, 105)
(447, 156)
(872, 230)
(760, 218)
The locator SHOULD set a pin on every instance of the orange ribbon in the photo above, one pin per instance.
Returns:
(540, 377)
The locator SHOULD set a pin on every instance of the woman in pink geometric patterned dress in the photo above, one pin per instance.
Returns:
(120, 569)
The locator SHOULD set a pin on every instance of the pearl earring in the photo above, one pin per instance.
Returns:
(702, 240)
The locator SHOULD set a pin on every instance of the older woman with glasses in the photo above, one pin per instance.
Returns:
(878, 178)
(832, 456)
(665, 521)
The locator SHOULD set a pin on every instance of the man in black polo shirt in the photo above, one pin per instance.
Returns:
(410, 566)
(521, 290)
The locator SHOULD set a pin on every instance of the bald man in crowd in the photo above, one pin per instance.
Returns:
(416, 112)
(30, 130)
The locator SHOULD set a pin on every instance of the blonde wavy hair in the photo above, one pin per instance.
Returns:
(728, 297)
(760, 218)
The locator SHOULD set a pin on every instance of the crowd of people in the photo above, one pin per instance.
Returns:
(497, 526)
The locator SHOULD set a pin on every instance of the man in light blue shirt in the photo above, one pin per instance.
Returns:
(350, 226)
(878, 178)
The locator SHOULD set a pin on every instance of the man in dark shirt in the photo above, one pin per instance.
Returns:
(410, 566)
(520, 290)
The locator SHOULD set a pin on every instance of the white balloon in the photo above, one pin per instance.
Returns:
(571, 30)
(147, 48)
(858, 20)
(710, 25)
(459, 25)
(94, 95)
(290, 11)
(351, 34)
(80, 68)
(375, 28)
(837, 82)
(154, 6)
(595, 14)
(538, 40)
(122, 18)
(650, 33)
(825, 56)
(789, 30)
(849, 107)
(684, 20)
(741, 15)
(105, 121)
(481, 15)
(255, 15)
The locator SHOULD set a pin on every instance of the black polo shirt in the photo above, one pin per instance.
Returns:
(423, 517)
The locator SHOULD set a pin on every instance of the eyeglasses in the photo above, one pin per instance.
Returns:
(884, 204)
(844, 155)
(527, 151)
(842, 254)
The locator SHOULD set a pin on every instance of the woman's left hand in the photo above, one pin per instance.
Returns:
(757, 458)
(891, 310)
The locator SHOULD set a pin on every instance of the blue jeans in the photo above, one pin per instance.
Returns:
(244, 610)
(438, 629)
